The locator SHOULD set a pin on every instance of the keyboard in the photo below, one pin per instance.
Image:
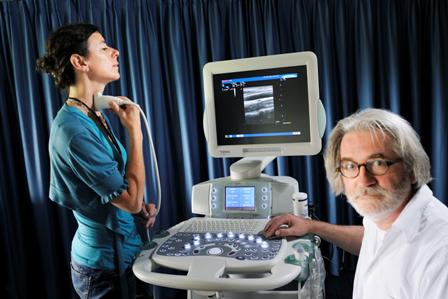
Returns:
(249, 226)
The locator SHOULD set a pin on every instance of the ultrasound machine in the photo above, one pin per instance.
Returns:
(256, 109)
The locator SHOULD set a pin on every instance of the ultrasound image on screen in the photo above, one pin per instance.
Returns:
(259, 104)
(265, 106)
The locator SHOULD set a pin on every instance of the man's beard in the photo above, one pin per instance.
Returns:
(379, 208)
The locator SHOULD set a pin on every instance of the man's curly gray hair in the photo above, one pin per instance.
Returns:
(405, 143)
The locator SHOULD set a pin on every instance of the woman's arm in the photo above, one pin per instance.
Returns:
(131, 199)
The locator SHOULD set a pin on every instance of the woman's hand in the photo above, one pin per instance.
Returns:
(129, 116)
(149, 214)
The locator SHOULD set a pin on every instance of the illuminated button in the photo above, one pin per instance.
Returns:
(196, 237)
(230, 235)
(259, 240)
(219, 235)
(264, 198)
(241, 236)
(251, 237)
(264, 206)
(264, 189)
(196, 242)
(208, 236)
(214, 190)
(264, 244)
(214, 251)
(214, 198)
(213, 205)
(187, 246)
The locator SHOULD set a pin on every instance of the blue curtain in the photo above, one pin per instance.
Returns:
(386, 54)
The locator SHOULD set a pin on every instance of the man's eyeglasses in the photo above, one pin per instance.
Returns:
(350, 169)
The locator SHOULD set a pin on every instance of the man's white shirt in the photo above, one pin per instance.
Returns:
(410, 260)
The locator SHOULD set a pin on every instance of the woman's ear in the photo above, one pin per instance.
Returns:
(79, 63)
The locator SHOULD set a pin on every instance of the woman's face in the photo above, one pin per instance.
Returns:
(102, 60)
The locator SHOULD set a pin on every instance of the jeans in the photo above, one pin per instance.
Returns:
(96, 283)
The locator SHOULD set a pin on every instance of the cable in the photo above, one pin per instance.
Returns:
(100, 102)
(156, 165)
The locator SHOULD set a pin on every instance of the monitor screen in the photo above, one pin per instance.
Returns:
(240, 198)
(262, 106)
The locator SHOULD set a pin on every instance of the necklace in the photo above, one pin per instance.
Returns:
(98, 119)
(72, 102)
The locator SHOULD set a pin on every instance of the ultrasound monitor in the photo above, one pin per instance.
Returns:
(263, 106)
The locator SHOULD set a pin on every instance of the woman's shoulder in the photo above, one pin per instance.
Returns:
(69, 123)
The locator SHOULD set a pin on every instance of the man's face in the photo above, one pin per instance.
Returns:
(374, 197)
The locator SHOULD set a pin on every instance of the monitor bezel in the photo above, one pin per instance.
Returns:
(307, 59)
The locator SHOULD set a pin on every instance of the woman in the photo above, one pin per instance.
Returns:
(91, 173)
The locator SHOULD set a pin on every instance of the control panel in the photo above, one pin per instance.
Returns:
(239, 246)
(247, 198)
(240, 200)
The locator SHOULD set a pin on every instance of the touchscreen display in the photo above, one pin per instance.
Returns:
(240, 198)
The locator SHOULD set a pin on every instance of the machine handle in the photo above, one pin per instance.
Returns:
(205, 276)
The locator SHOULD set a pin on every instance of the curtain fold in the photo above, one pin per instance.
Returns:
(384, 54)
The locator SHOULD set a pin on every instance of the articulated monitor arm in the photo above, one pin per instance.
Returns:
(249, 167)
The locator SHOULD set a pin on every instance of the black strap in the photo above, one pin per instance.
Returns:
(99, 121)
(122, 275)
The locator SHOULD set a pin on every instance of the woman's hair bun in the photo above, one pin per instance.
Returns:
(47, 64)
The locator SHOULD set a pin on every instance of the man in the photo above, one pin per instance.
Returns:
(375, 158)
